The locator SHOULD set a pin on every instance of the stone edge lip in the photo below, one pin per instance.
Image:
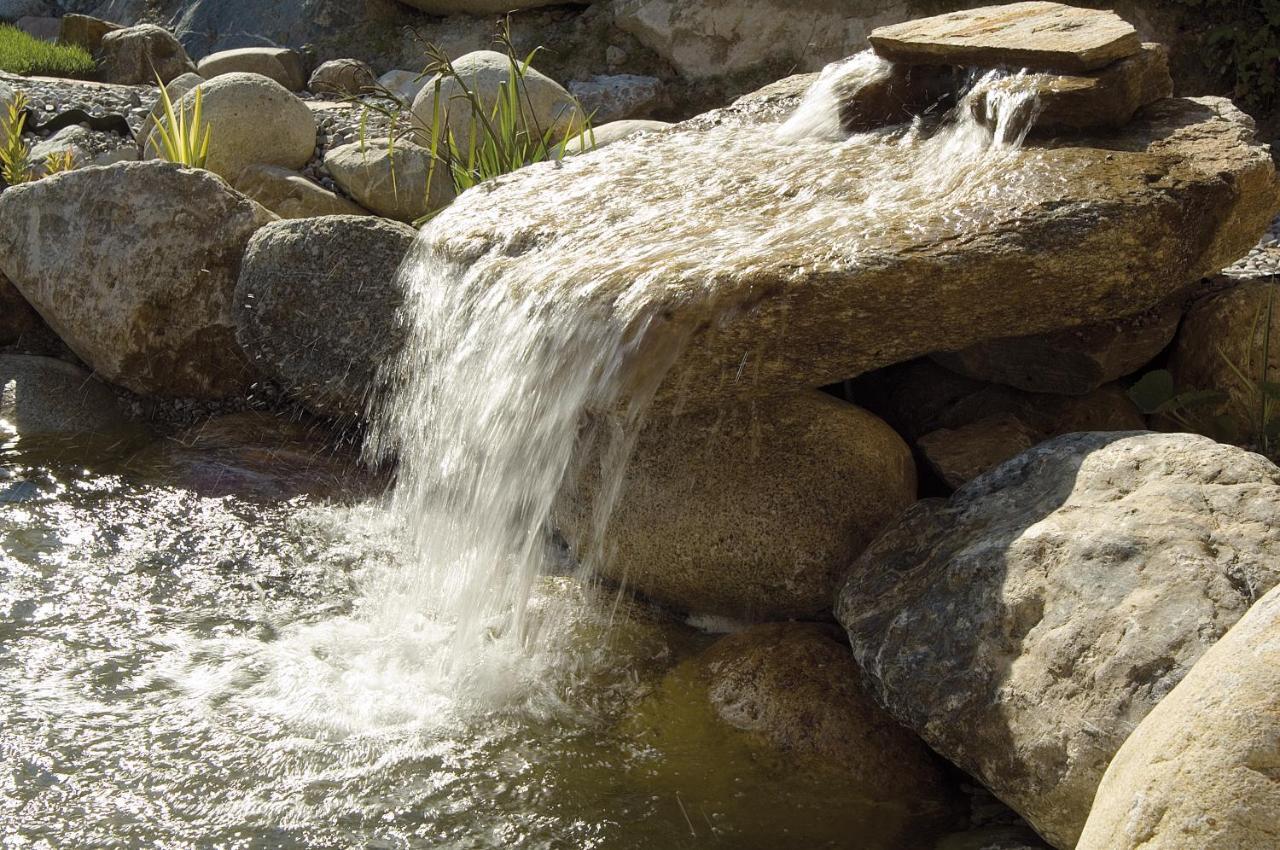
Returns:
(909, 43)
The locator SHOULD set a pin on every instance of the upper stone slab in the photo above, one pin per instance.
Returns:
(1037, 35)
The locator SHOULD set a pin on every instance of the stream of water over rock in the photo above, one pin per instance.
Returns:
(183, 671)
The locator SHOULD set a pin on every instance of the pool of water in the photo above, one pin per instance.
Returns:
(185, 671)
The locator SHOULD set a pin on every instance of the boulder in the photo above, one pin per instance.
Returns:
(85, 31)
(607, 134)
(482, 7)
(281, 64)
(545, 105)
(617, 97)
(961, 454)
(1075, 361)
(404, 84)
(391, 180)
(41, 396)
(17, 317)
(134, 56)
(254, 121)
(134, 265)
(747, 512)
(1084, 232)
(290, 195)
(344, 77)
(1025, 626)
(176, 88)
(1201, 770)
(1038, 35)
(1105, 99)
(1230, 342)
(316, 304)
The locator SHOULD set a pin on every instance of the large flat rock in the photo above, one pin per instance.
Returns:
(1037, 35)
(787, 265)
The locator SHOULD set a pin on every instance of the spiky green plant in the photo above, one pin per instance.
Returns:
(15, 154)
(183, 138)
(59, 162)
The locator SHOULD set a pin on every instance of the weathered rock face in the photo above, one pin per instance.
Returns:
(290, 195)
(40, 396)
(17, 317)
(1075, 361)
(343, 76)
(1037, 35)
(784, 289)
(134, 56)
(1223, 346)
(749, 512)
(85, 31)
(316, 306)
(961, 454)
(281, 64)
(617, 97)
(1201, 770)
(545, 105)
(255, 121)
(1025, 627)
(134, 266)
(392, 181)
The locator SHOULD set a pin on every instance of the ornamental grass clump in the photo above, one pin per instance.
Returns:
(24, 54)
(181, 137)
(15, 154)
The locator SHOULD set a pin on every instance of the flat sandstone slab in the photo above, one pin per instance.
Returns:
(1036, 35)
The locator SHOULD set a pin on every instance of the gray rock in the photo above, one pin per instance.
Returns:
(405, 85)
(290, 195)
(344, 77)
(1201, 770)
(281, 64)
(607, 134)
(1027, 625)
(17, 317)
(481, 7)
(12, 10)
(40, 396)
(392, 181)
(746, 512)
(133, 266)
(316, 306)
(617, 97)
(42, 27)
(134, 56)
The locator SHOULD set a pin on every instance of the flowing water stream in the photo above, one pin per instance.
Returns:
(429, 671)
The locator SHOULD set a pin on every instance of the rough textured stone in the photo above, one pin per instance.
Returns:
(1221, 347)
(404, 84)
(1027, 625)
(1084, 232)
(545, 105)
(134, 266)
(748, 512)
(40, 396)
(343, 76)
(1075, 361)
(290, 195)
(17, 317)
(961, 454)
(85, 31)
(1037, 35)
(390, 180)
(255, 121)
(41, 27)
(1202, 769)
(617, 97)
(281, 64)
(316, 306)
(1105, 99)
(134, 56)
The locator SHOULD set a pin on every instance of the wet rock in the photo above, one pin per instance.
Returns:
(316, 306)
(1025, 626)
(545, 106)
(40, 396)
(134, 56)
(343, 76)
(961, 454)
(134, 265)
(1037, 35)
(1085, 232)
(748, 512)
(390, 180)
(85, 31)
(1230, 343)
(1074, 361)
(617, 97)
(254, 121)
(290, 195)
(607, 134)
(280, 64)
(1201, 770)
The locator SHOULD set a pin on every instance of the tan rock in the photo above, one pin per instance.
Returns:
(135, 56)
(85, 31)
(962, 454)
(290, 195)
(750, 512)
(343, 77)
(1037, 35)
(1202, 769)
(41, 397)
(281, 64)
(391, 180)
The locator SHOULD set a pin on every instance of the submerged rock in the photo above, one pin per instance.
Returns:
(41, 396)
(134, 266)
(1026, 626)
(835, 258)
(1201, 770)
(749, 512)
(316, 306)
